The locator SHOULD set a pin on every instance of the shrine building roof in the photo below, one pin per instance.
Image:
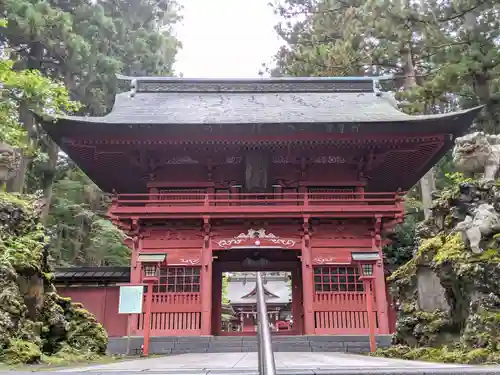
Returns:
(242, 291)
(163, 122)
(154, 102)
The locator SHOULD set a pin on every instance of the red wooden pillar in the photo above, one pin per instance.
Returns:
(147, 318)
(380, 290)
(206, 282)
(307, 281)
(135, 279)
(371, 315)
(217, 302)
(297, 310)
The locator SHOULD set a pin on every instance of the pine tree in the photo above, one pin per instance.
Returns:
(82, 44)
(443, 55)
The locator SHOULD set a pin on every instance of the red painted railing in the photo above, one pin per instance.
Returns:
(340, 313)
(174, 314)
(178, 204)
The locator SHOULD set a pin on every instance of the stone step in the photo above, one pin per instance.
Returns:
(232, 344)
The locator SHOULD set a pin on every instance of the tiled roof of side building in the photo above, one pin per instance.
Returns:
(73, 274)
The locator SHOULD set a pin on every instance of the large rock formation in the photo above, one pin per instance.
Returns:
(36, 323)
(448, 294)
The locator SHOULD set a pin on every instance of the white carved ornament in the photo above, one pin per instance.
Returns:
(253, 234)
(330, 160)
(191, 262)
(321, 260)
(182, 160)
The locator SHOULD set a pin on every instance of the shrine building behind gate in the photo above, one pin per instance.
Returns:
(279, 175)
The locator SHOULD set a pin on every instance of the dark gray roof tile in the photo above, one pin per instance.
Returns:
(260, 108)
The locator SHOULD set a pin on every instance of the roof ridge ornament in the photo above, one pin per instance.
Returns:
(133, 88)
(360, 84)
(132, 82)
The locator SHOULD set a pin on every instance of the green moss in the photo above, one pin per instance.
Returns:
(34, 320)
(67, 354)
(21, 351)
(404, 273)
(451, 249)
(488, 256)
(443, 354)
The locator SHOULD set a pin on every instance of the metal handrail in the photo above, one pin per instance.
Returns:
(267, 365)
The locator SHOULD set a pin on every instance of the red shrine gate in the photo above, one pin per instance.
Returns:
(187, 298)
(305, 175)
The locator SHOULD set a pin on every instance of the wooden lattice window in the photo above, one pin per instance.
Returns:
(178, 280)
(337, 279)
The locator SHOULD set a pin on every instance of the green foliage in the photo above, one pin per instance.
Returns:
(457, 178)
(40, 94)
(447, 49)
(400, 250)
(87, 43)
(444, 55)
(83, 236)
(225, 285)
(61, 50)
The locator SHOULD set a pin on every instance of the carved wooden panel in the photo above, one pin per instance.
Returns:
(322, 256)
(184, 257)
(342, 230)
(168, 238)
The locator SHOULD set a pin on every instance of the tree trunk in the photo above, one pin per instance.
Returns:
(48, 178)
(427, 185)
(28, 121)
(16, 184)
(488, 121)
(428, 182)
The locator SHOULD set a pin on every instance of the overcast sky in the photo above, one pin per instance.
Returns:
(225, 38)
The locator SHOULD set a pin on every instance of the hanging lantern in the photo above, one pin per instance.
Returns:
(151, 265)
(367, 269)
(150, 270)
(366, 262)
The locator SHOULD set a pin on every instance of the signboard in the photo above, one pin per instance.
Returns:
(131, 297)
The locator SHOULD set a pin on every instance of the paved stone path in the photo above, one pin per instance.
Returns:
(243, 363)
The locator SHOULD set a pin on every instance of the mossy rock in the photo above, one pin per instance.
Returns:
(470, 331)
(35, 322)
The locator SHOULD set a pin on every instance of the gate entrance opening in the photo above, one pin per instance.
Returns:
(234, 281)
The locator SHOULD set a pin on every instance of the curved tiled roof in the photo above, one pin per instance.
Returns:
(168, 115)
(164, 100)
(254, 108)
(247, 108)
